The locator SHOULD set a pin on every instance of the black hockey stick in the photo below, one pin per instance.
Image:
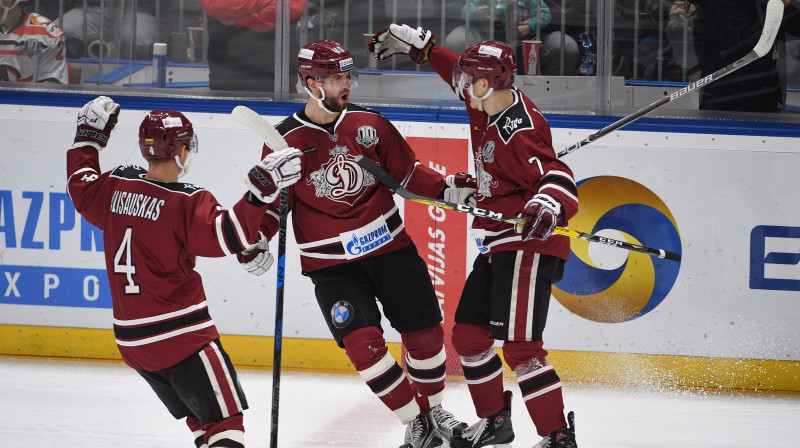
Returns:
(370, 165)
(772, 22)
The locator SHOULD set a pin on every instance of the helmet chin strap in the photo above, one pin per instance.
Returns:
(184, 166)
(7, 9)
(479, 100)
(320, 99)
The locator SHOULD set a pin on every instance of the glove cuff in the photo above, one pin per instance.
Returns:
(94, 145)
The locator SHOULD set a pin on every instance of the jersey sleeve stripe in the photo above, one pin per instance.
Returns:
(82, 170)
(405, 181)
(220, 236)
(563, 190)
(239, 230)
(229, 233)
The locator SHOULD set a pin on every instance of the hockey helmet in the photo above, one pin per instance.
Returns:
(162, 133)
(491, 59)
(322, 58)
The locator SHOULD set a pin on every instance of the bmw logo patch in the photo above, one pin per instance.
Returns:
(341, 314)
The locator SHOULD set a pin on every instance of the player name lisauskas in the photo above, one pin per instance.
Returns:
(136, 204)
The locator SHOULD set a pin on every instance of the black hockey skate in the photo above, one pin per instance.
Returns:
(494, 430)
(421, 433)
(446, 423)
(562, 438)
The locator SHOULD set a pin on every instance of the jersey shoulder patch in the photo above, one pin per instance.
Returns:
(42, 22)
(513, 120)
(288, 124)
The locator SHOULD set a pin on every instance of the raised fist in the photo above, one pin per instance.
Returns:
(460, 189)
(96, 120)
(415, 42)
(541, 214)
(278, 170)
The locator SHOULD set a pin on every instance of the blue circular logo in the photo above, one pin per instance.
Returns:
(341, 314)
(608, 284)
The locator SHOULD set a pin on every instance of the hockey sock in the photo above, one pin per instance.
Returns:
(483, 369)
(539, 384)
(227, 433)
(425, 359)
(367, 350)
(197, 430)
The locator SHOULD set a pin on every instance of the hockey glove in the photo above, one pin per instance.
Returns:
(256, 259)
(541, 214)
(460, 189)
(415, 42)
(278, 170)
(95, 122)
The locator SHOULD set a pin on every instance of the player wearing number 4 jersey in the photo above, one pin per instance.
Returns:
(507, 294)
(355, 249)
(153, 228)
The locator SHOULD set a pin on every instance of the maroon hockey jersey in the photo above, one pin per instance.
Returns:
(152, 232)
(514, 160)
(341, 212)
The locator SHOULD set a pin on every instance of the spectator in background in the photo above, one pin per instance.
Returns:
(31, 47)
(528, 23)
(241, 43)
(728, 30)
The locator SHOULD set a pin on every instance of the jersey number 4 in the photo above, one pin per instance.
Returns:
(129, 269)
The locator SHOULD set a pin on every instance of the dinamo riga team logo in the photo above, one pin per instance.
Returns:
(608, 284)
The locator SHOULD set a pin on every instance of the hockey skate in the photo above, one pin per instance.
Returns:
(446, 424)
(494, 430)
(421, 433)
(562, 438)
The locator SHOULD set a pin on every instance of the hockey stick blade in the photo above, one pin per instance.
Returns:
(385, 178)
(772, 22)
(252, 120)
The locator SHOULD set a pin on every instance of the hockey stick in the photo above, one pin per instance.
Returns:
(370, 165)
(276, 142)
(772, 22)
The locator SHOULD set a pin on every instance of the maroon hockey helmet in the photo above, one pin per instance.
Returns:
(162, 133)
(491, 59)
(322, 58)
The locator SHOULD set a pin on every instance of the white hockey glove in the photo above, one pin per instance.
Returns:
(96, 120)
(541, 214)
(256, 259)
(278, 170)
(460, 189)
(415, 42)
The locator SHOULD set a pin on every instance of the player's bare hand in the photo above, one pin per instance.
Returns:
(278, 170)
(96, 120)
(403, 39)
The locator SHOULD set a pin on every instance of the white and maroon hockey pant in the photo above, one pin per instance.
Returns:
(204, 389)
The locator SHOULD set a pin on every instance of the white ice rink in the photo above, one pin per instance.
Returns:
(62, 404)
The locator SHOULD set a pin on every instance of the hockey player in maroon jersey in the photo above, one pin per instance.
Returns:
(31, 46)
(507, 293)
(153, 229)
(354, 248)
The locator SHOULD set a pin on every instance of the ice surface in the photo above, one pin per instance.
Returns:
(47, 403)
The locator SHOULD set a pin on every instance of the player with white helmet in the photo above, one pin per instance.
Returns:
(354, 247)
(507, 293)
(31, 47)
(154, 227)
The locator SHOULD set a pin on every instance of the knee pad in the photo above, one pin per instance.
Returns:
(365, 347)
(517, 353)
(471, 340)
(424, 344)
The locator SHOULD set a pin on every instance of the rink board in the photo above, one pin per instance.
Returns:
(732, 305)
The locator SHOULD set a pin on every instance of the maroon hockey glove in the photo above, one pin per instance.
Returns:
(415, 42)
(460, 189)
(278, 170)
(96, 120)
(541, 214)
